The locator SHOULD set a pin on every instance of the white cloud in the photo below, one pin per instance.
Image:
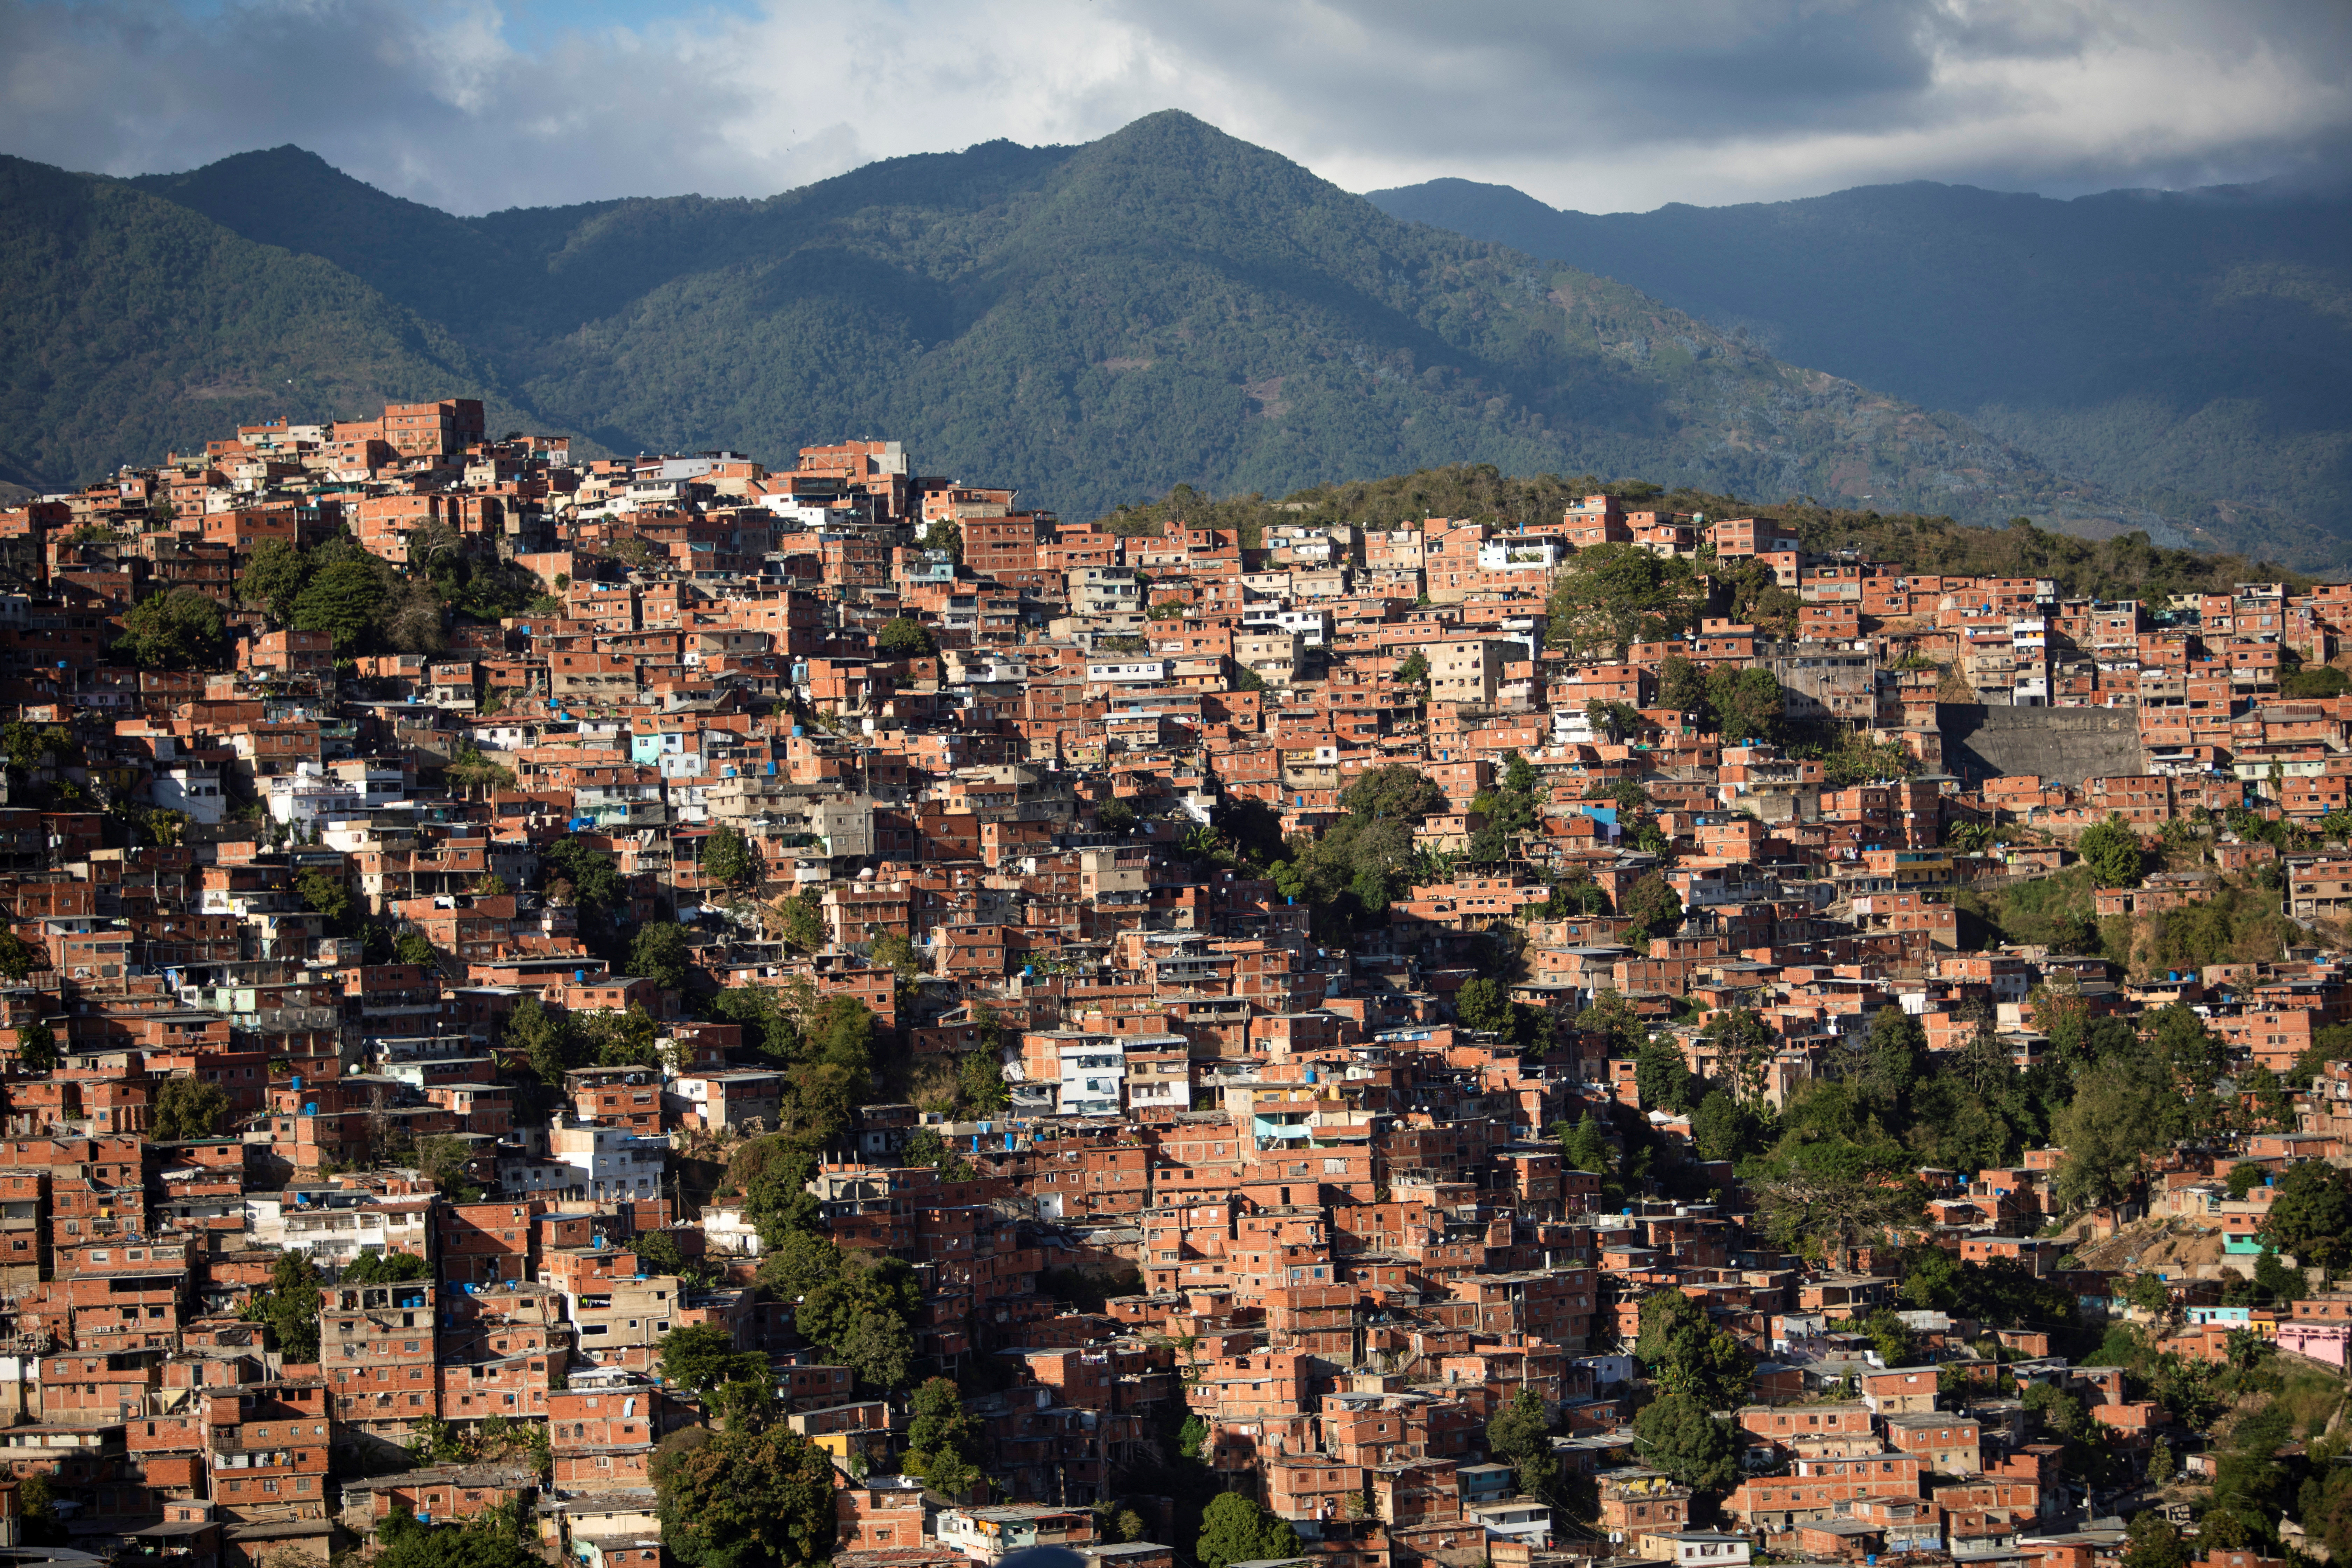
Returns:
(1589, 103)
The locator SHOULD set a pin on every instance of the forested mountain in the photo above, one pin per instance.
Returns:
(133, 325)
(2191, 350)
(1093, 324)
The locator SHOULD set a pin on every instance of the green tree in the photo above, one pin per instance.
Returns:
(1682, 686)
(1723, 1128)
(1747, 703)
(878, 1347)
(36, 1047)
(944, 534)
(2274, 1280)
(728, 858)
(291, 1307)
(326, 893)
(797, 1263)
(496, 1538)
(342, 599)
(897, 954)
(658, 1253)
(981, 1088)
(1835, 1192)
(2123, 1110)
(1520, 1433)
(1413, 671)
(611, 1039)
(1688, 1354)
(1660, 1077)
(2244, 1177)
(1890, 1337)
(588, 877)
(2160, 1464)
(698, 1357)
(1894, 1058)
(273, 577)
(747, 1498)
(545, 1038)
(660, 953)
(1610, 596)
(2112, 851)
(2311, 1215)
(866, 1321)
(2062, 1414)
(1653, 906)
(925, 1147)
(179, 630)
(36, 1504)
(1396, 792)
(2272, 1111)
(1614, 720)
(774, 1173)
(2150, 1541)
(943, 1442)
(1235, 1528)
(1616, 1021)
(1485, 1004)
(906, 639)
(376, 1266)
(187, 1108)
(804, 929)
(19, 958)
(1583, 1146)
(414, 947)
(1680, 1435)
(2189, 1051)
(1744, 1047)
(448, 1160)
(469, 770)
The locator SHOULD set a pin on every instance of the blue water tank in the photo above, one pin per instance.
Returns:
(297, 1084)
(578, 977)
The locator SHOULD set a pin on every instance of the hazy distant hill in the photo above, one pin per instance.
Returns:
(1091, 323)
(2192, 351)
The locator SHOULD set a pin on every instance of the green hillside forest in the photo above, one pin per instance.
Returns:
(1093, 323)
(2190, 352)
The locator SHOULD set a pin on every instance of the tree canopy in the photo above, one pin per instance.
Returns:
(755, 1498)
(179, 630)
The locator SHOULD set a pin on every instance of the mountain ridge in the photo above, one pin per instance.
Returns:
(1094, 323)
(2190, 351)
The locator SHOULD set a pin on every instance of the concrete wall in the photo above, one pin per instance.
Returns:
(2068, 745)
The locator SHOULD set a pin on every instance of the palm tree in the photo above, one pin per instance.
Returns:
(1972, 837)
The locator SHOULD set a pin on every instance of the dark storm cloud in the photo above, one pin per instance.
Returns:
(1581, 104)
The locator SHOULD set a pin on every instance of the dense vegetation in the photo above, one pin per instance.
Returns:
(1839, 1161)
(2188, 349)
(135, 325)
(1091, 323)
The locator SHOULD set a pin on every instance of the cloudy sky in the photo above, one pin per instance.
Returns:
(1595, 104)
